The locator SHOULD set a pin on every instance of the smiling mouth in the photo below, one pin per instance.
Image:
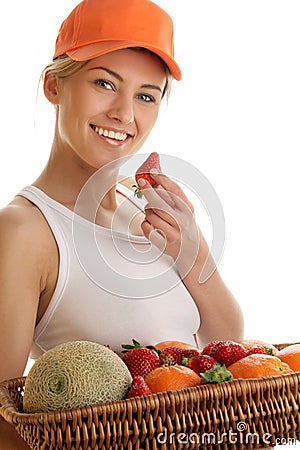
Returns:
(117, 135)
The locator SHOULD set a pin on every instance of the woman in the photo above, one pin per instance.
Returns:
(108, 78)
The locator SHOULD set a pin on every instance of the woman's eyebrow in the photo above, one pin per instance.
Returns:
(116, 75)
(111, 72)
(151, 86)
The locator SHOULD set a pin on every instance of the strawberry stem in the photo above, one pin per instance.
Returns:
(218, 374)
(137, 192)
(128, 347)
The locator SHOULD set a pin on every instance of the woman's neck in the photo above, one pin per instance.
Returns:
(66, 176)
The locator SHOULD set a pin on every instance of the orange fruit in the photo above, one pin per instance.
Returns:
(166, 344)
(258, 365)
(248, 343)
(167, 378)
(291, 356)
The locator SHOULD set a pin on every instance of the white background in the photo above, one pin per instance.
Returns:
(235, 116)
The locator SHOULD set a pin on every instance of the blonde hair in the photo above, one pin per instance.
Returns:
(64, 66)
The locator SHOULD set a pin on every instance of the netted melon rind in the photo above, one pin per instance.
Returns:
(88, 373)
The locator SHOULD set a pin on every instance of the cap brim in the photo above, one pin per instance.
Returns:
(96, 49)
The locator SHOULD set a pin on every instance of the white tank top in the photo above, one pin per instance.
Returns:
(112, 286)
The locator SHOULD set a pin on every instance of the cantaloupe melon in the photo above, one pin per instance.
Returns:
(75, 374)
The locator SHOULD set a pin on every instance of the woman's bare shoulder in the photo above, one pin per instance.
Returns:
(21, 219)
(19, 211)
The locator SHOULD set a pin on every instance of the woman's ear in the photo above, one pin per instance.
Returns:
(51, 82)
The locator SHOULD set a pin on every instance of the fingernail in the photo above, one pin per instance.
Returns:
(154, 171)
(141, 182)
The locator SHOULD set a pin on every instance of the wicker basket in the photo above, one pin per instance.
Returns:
(235, 415)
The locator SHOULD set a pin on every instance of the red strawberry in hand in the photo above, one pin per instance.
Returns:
(152, 162)
(139, 388)
(228, 352)
(140, 360)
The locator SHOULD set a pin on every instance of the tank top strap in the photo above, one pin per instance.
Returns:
(49, 208)
(138, 202)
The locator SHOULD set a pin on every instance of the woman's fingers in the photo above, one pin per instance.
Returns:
(167, 197)
(169, 218)
(155, 236)
(161, 221)
(172, 189)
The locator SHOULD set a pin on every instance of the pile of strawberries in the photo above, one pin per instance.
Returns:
(210, 363)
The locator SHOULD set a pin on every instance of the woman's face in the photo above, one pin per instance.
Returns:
(107, 109)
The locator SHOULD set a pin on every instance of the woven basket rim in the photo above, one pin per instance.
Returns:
(11, 414)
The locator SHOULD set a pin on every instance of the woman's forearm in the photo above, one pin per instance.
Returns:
(221, 315)
(9, 438)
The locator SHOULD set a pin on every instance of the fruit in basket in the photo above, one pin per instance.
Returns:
(291, 355)
(139, 360)
(167, 378)
(227, 352)
(139, 388)
(75, 374)
(217, 374)
(200, 363)
(175, 355)
(257, 366)
(208, 348)
(257, 349)
(152, 162)
(269, 348)
(179, 344)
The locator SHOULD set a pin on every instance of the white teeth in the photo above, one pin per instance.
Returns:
(111, 134)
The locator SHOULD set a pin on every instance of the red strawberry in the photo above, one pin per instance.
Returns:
(208, 348)
(152, 162)
(256, 349)
(228, 352)
(175, 355)
(139, 388)
(200, 363)
(140, 360)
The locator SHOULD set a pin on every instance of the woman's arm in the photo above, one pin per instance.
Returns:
(221, 315)
(20, 283)
(170, 224)
(9, 438)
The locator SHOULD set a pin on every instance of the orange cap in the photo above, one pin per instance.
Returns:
(97, 27)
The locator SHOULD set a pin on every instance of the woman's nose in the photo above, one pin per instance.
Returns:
(122, 109)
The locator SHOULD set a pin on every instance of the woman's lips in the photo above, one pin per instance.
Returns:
(118, 136)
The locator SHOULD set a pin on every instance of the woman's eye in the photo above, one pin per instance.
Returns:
(146, 98)
(104, 84)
